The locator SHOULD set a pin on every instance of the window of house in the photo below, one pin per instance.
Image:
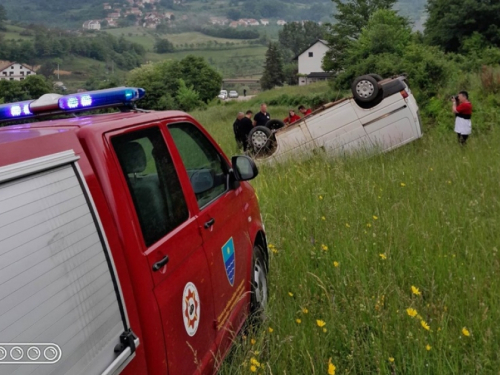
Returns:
(11, 73)
(22, 73)
(12, 67)
(310, 54)
(152, 181)
(28, 73)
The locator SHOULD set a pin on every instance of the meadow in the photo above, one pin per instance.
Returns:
(388, 264)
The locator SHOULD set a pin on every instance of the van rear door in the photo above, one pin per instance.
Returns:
(60, 298)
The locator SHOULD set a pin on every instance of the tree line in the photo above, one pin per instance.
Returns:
(57, 44)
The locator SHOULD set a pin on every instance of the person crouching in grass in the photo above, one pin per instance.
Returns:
(462, 109)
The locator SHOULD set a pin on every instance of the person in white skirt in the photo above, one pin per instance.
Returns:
(462, 109)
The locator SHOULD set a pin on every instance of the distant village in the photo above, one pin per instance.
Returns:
(149, 17)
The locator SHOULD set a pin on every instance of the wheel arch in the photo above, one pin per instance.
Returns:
(260, 240)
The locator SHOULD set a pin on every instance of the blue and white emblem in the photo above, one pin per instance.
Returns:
(228, 256)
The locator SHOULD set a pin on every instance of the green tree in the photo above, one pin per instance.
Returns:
(47, 68)
(296, 36)
(3, 17)
(273, 69)
(187, 97)
(450, 22)
(351, 16)
(163, 46)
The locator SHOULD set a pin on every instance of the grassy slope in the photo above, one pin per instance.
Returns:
(425, 215)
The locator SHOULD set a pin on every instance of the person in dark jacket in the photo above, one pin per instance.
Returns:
(245, 128)
(261, 118)
(237, 129)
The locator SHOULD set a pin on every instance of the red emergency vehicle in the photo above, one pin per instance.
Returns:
(129, 243)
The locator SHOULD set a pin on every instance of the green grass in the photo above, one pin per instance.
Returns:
(351, 238)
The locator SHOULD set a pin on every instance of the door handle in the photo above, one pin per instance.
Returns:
(159, 265)
(209, 223)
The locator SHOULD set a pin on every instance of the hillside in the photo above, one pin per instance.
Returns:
(66, 14)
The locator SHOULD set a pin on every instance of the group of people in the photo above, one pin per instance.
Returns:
(244, 123)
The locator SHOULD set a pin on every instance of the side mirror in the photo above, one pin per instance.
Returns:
(201, 180)
(244, 168)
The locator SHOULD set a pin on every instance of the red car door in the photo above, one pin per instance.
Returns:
(223, 220)
(173, 247)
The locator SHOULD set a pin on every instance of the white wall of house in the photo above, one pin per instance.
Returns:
(310, 60)
(15, 72)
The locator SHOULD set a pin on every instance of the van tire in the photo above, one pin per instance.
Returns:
(259, 138)
(365, 89)
(259, 293)
(275, 124)
(376, 76)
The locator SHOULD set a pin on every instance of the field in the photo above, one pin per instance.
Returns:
(387, 264)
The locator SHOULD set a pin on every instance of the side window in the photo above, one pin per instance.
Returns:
(206, 168)
(152, 181)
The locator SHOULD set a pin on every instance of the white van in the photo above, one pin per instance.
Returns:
(381, 116)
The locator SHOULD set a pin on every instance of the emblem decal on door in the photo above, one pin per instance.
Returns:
(191, 308)
(228, 257)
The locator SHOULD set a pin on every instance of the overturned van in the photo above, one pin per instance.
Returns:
(381, 116)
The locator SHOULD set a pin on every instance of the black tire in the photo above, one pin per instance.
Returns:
(275, 124)
(376, 76)
(392, 87)
(259, 138)
(259, 294)
(365, 88)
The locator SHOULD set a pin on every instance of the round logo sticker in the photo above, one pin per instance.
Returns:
(191, 309)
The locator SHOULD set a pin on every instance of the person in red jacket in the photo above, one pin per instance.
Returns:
(305, 111)
(462, 109)
(292, 117)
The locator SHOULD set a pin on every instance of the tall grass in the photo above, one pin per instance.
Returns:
(357, 242)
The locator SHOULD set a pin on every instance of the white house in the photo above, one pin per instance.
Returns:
(264, 22)
(92, 25)
(15, 71)
(310, 61)
(281, 22)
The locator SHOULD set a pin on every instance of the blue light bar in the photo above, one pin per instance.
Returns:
(55, 104)
(17, 110)
(100, 98)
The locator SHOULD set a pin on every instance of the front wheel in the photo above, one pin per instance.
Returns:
(259, 138)
(259, 291)
(365, 89)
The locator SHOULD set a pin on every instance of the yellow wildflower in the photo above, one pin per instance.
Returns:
(411, 312)
(383, 256)
(415, 290)
(347, 225)
(324, 247)
(320, 323)
(369, 225)
(298, 321)
(270, 330)
(403, 184)
(290, 294)
(335, 264)
(331, 367)
(323, 218)
(428, 347)
(254, 362)
(253, 341)
(425, 325)
(253, 368)
(465, 332)
(320, 197)
(375, 217)
(305, 310)
(391, 359)
(324, 330)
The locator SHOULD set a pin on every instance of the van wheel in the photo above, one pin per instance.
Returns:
(275, 124)
(259, 137)
(376, 76)
(259, 291)
(365, 88)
